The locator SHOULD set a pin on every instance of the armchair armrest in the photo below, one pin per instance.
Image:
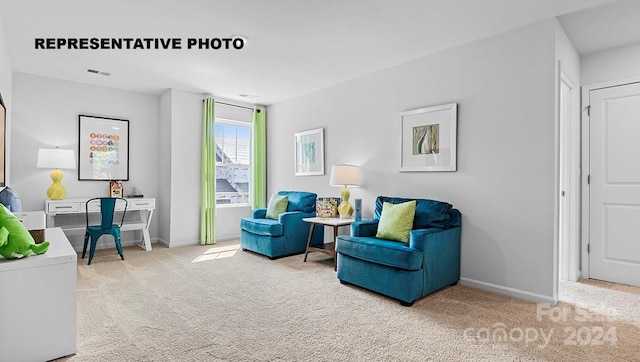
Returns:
(364, 228)
(441, 251)
(293, 225)
(259, 213)
(420, 238)
(294, 216)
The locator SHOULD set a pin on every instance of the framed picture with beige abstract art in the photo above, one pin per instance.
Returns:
(428, 139)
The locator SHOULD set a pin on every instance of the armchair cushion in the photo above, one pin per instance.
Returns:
(380, 251)
(300, 200)
(277, 205)
(9, 198)
(262, 226)
(429, 213)
(396, 221)
(364, 228)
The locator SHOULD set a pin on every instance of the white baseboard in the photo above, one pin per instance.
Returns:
(229, 238)
(191, 243)
(175, 244)
(104, 244)
(512, 292)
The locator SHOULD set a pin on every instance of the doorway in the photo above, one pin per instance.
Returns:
(611, 195)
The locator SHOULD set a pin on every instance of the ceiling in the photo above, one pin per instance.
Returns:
(294, 46)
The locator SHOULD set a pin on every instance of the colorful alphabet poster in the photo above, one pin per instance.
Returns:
(104, 148)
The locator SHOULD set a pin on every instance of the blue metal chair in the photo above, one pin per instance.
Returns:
(107, 212)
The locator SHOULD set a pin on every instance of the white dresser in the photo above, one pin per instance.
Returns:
(38, 303)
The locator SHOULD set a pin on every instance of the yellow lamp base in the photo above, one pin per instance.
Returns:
(344, 209)
(56, 191)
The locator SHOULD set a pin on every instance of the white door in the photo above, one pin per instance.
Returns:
(614, 192)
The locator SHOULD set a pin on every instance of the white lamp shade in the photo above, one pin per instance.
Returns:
(56, 158)
(345, 175)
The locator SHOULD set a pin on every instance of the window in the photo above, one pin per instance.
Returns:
(233, 162)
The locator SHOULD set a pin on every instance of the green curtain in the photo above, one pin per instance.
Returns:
(208, 175)
(259, 159)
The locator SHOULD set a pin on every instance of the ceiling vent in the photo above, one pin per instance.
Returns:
(95, 71)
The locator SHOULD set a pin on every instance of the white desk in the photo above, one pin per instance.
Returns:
(70, 207)
(38, 303)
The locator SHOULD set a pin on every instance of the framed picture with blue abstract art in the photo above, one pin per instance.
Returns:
(309, 155)
(103, 149)
(429, 139)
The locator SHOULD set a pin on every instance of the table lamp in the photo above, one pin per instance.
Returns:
(56, 158)
(345, 175)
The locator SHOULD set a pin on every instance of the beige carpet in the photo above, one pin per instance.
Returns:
(222, 304)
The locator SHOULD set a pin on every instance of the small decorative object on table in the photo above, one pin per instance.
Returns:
(357, 203)
(345, 176)
(135, 194)
(116, 189)
(327, 207)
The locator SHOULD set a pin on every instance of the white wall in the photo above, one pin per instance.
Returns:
(45, 114)
(614, 64)
(164, 213)
(185, 140)
(504, 186)
(181, 131)
(164, 160)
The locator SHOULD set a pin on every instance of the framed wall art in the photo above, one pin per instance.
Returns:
(428, 139)
(3, 140)
(309, 153)
(103, 149)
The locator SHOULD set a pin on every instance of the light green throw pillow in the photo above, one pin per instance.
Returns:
(396, 221)
(277, 205)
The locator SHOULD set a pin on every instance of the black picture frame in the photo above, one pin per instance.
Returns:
(103, 148)
(3, 139)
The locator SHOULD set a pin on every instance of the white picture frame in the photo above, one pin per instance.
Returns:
(429, 139)
(309, 152)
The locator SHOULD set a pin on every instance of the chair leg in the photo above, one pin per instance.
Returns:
(406, 304)
(86, 240)
(92, 248)
(119, 247)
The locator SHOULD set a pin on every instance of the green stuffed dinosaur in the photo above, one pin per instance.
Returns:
(15, 240)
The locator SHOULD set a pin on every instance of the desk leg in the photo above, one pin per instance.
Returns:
(145, 232)
(306, 252)
(51, 220)
(335, 253)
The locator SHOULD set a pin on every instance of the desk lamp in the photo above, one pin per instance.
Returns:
(56, 158)
(345, 175)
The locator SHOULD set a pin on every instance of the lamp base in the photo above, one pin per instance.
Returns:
(56, 191)
(344, 209)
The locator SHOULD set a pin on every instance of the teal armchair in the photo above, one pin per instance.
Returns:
(285, 236)
(404, 271)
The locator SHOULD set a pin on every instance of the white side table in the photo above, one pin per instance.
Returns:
(35, 222)
(328, 248)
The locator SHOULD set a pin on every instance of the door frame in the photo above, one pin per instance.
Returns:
(572, 158)
(569, 178)
(586, 149)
